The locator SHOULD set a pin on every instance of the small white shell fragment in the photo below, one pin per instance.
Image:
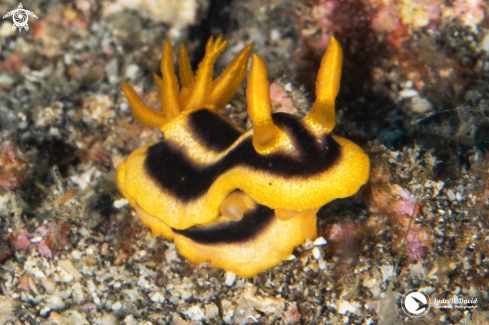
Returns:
(78, 294)
(408, 93)
(316, 253)
(140, 254)
(451, 195)
(124, 107)
(44, 311)
(484, 45)
(323, 265)
(345, 306)
(116, 305)
(129, 320)
(275, 35)
(439, 186)
(120, 203)
(76, 254)
(54, 302)
(369, 282)
(32, 284)
(49, 285)
(227, 311)
(270, 305)
(416, 269)
(320, 241)
(458, 196)
(36, 239)
(211, 311)
(171, 253)
(291, 257)
(421, 105)
(157, 297)
(230, 278)
(432, 273)
(195, 313)
(33, 269)
(64, 276)
(91, 286)
(387, 271)
(132, 71)
(68, 267)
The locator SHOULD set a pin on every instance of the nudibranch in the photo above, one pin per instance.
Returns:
(238, 200)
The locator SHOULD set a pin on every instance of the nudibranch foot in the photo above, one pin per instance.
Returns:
(259, 241)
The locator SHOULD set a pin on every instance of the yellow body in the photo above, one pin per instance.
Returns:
(295, 198)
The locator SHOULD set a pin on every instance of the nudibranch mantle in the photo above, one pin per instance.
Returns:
(208, 177)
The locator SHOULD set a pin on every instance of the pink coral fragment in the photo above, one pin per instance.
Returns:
(386, 20)
(400, 204)
(20, 239)
(281, 102)
(43, 249)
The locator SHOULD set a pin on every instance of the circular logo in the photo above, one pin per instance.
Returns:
(415, 303)
(20, 18)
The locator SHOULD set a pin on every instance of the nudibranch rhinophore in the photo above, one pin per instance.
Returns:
(240, 201)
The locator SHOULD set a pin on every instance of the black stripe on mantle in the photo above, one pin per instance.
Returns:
(185, 179)
(253, 223)
(213, 130)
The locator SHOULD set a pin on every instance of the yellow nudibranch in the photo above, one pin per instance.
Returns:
(240, 201)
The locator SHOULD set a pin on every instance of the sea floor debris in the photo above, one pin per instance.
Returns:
(415, 97)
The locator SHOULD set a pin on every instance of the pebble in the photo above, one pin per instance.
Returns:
(211, 311)
(36, 239)
(130, 320)
(34, 270)
(230, 278)
(421, 105)
(195, 313)
(6, 30)
(7, 307)
(116, 306)
(54, 302)
(6, 80)
(316, 253)
(345, 307)
(484, 45)
(387, 272)
(408, 93)
(64, 276)
(320, 241)
(68, 267)
(157, 297)
(49, 285)
(120, 203)
(451, 195)
(132, 72)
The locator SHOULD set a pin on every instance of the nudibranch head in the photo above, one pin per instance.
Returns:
(240, 201)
